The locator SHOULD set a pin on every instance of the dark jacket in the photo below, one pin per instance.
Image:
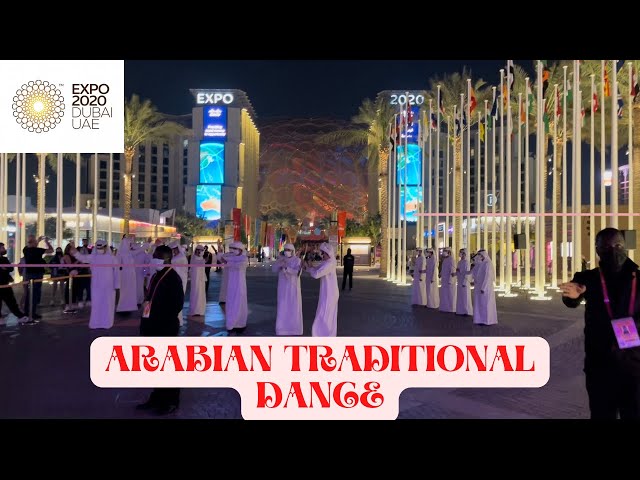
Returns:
(5, 272)
(348, 261)
(167, 303)
(601, 347)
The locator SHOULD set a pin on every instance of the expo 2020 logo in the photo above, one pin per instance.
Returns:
(38, 106)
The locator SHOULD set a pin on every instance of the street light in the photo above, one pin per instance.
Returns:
(607, 178)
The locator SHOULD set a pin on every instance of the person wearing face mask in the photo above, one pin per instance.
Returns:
(484, 295)
(463, 290)
(105, 280)
(431, 277)
(236, 310)
(447, 288)
(419, 286)
(58, 285)
(224, 282)
(289, 316)
(325, 323)
(127, 300)
(611, 343)
(181, 267)
(163, 302)
(197, 278)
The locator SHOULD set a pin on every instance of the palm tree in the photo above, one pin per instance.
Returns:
(285, 222)
(142, 122)
(371, 132)
(451, 87)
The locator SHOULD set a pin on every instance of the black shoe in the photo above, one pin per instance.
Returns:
(148, 405)
(165, 410)
(36, 316)
(240, 331)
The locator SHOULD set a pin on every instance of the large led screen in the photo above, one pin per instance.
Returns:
(411, 204)
(215, 122)
(414, 165)
(208, 200)
(211, 162)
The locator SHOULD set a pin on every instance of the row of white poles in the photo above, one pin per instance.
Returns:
(502, 239)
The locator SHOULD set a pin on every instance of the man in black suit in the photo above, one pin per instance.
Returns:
(612, 369)
(164, 300)
(347, 262)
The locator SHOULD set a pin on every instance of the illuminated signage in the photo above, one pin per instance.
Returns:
(411, 204)
(208, 201)
(414, 164)
(211, 162)
(214, 98)
(214, 122)
(401, 99)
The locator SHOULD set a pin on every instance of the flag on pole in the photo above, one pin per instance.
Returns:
(620, 104)
(504, 95)
(635, 88)
(473, 102)
(607, 85)
(392, 137)
(523, 114)
(409, 114)
(464, 119)
(558, 104)
(441, 106)
(530, 97)
(595, 102)
(482, 131)
(457, 126)
(510, 74)
(494, 105)
(434, 121)
(582, 113)
(545, 77)
(546, 119)
(569, 90)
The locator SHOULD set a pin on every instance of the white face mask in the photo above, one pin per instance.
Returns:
(288, 254)
(157, 264)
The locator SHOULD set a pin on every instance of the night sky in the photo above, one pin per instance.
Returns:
(293, 88)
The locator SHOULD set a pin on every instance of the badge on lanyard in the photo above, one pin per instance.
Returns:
(624, 328)
(146, 309)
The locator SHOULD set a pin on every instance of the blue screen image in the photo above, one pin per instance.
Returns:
(208, 201)
(211, 162)
(411, 204)
(414, 165)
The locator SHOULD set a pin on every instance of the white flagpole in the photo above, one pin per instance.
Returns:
(463, 238)
(394, 210)
(554, 207)
(419, 218)
(23, 200)
(577, 169)
(539, 187)
(430, 204)
(392, 133)
(59, 202)
(592, 178)
(493, 190)
(615, 175)
(478, 185)
(603, 163)
(509, 183)
(110, 201)
(468, 152)
(78, 172)
(483, 200)
(454, 233)
(96, 186)
(565, 161)
(527, 202)
(436, 177)
(403, 278)
(630, 148)
(4, 198)
(17, 236)
(503, 244)
(519, 187)
(447, 186)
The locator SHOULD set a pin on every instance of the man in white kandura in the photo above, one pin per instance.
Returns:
(224, 282)
(105, 280)
(180, 264)
(289, 316)
(197, 293)
(419, 286)
(128, 299)
(463, 296)
(236, 310)
(433, 298)
(325, 323)
(141, 257)
(447, 283)
(484, 295)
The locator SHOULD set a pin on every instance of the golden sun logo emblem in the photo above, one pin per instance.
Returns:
(38, 106)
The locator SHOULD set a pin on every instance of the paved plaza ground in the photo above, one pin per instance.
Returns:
(44, 368)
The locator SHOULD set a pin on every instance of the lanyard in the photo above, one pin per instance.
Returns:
(632, 301)
(156, 285)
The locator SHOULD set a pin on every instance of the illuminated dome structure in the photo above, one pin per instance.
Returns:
(308, 178)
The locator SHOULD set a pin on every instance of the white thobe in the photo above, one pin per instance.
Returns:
(236, 308)
(447, 285)
(141, 257)
(325, 323)
(181, 266)
(128, 299)
(289, 316)
(484, 311)
(433, 298)
(104, 283)
(222, 297)
(463, 296)
(197, 293)
(419, 286)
